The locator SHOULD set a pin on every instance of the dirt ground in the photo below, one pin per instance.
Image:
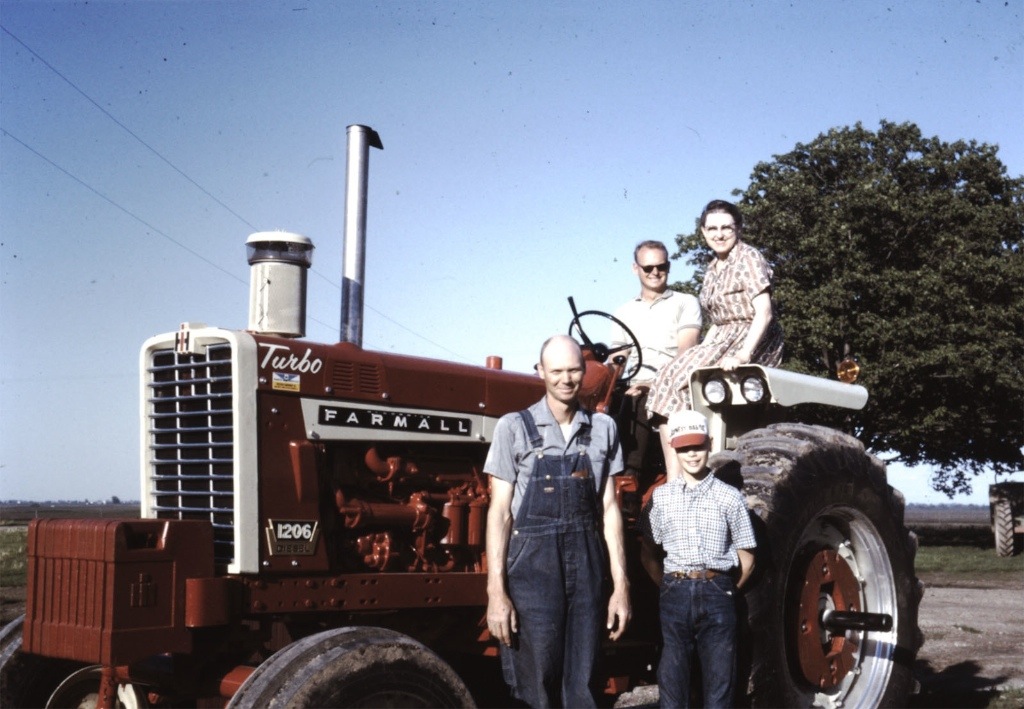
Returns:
(973, 639)
(973, 625)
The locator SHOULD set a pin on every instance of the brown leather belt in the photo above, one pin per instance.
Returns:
(703, 574)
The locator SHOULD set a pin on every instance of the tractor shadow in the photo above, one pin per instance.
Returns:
(959, 685)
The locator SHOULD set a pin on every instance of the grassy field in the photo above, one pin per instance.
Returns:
(965, 560)
(22, 513)
(12, 556)
(15, 517)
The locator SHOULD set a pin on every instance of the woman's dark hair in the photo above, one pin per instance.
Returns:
(720, 205)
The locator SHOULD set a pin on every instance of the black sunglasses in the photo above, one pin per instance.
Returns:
(663, 267)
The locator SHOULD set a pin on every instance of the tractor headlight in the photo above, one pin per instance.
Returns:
(753, 389)
(716, 392)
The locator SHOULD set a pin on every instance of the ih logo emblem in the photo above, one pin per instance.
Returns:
(292, 537)
(183, 340)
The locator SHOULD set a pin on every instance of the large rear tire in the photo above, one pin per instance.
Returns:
(830, 537)
(353, 667)
(1003, 527)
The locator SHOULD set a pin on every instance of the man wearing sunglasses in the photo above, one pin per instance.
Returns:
(665, 322)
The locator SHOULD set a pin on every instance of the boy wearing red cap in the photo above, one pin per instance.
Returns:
(704, 528)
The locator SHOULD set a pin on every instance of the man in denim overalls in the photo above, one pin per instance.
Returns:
(553, 526)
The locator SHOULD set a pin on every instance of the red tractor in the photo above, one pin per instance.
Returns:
(312, 527)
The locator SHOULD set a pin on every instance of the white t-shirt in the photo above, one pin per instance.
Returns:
(656, 325)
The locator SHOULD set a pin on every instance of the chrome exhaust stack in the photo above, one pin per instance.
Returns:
(360, 140)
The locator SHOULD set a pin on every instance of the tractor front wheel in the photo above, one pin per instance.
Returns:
(28, 680)
(353, 667)
(80, 690)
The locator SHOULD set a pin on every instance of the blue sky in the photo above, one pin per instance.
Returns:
(527, 147)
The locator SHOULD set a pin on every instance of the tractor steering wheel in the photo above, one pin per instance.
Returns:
(602, 351)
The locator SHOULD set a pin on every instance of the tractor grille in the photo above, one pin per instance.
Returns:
(191, 441)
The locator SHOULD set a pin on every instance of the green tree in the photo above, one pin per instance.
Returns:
(905, 253)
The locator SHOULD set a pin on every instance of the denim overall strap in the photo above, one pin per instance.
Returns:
(560, 494)
(536, 440)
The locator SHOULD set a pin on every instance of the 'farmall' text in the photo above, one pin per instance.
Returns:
(395, 421)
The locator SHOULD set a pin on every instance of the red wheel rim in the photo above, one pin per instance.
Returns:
(828, 582)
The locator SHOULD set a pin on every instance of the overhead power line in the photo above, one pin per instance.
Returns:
(190, 180)
(198, 255)
(120, 207)
(126, 129)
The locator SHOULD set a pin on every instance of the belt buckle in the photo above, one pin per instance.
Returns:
(696, 575)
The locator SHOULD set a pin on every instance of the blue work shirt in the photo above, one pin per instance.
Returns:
(511, 456)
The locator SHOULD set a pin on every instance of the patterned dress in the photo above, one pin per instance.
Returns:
(727, 300)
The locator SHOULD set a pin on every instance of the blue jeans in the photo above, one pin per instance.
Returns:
(701, 615)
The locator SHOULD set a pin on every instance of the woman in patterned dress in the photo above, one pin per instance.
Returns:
(736, 298)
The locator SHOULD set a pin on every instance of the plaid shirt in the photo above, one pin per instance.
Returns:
(699, 527)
